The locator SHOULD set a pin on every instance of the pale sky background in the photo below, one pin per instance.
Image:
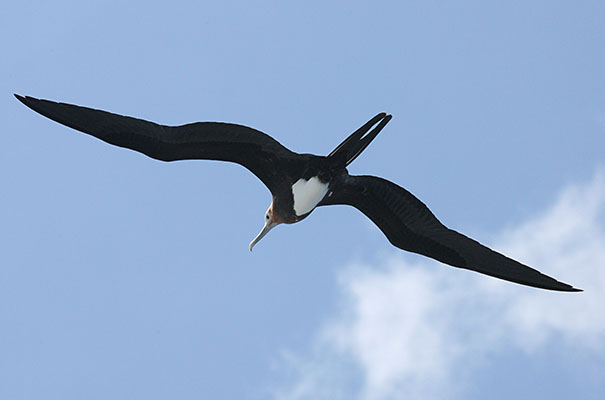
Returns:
(123, 277)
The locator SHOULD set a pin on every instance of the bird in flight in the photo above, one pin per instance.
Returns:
(301, 182)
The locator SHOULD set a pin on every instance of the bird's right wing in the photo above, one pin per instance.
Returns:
(264, 156)
(410, 225)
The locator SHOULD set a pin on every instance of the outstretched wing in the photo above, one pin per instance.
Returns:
(261, 154)
(411, 226)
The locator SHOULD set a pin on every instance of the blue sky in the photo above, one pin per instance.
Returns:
(125, 277)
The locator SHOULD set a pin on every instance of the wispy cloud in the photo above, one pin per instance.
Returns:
(421, 329)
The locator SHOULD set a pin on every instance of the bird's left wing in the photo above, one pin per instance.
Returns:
(264, 156)
(411, 226)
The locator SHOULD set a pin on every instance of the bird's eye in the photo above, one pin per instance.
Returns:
(267, 217)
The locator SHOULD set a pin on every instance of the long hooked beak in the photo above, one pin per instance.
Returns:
(268, 226)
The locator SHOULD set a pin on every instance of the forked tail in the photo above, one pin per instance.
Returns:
(352, 146)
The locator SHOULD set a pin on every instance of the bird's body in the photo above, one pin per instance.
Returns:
(304, 189)
(307, 193)
(301, 182)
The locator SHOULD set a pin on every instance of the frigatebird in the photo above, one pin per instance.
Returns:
(301, 182)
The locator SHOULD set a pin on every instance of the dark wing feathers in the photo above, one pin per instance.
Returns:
(411, 226)
(256, 151)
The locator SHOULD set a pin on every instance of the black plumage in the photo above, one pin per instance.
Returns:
(407, 223)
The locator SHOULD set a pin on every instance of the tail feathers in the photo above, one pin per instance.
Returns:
(352, 146)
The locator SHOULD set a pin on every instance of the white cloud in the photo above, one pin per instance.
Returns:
(422, 329)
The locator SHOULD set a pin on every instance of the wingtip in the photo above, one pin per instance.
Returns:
(568, 288)
(24, 99)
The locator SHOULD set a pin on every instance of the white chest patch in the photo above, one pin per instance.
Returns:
(307, 193)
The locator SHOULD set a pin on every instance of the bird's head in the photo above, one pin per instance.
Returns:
(271, 221)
